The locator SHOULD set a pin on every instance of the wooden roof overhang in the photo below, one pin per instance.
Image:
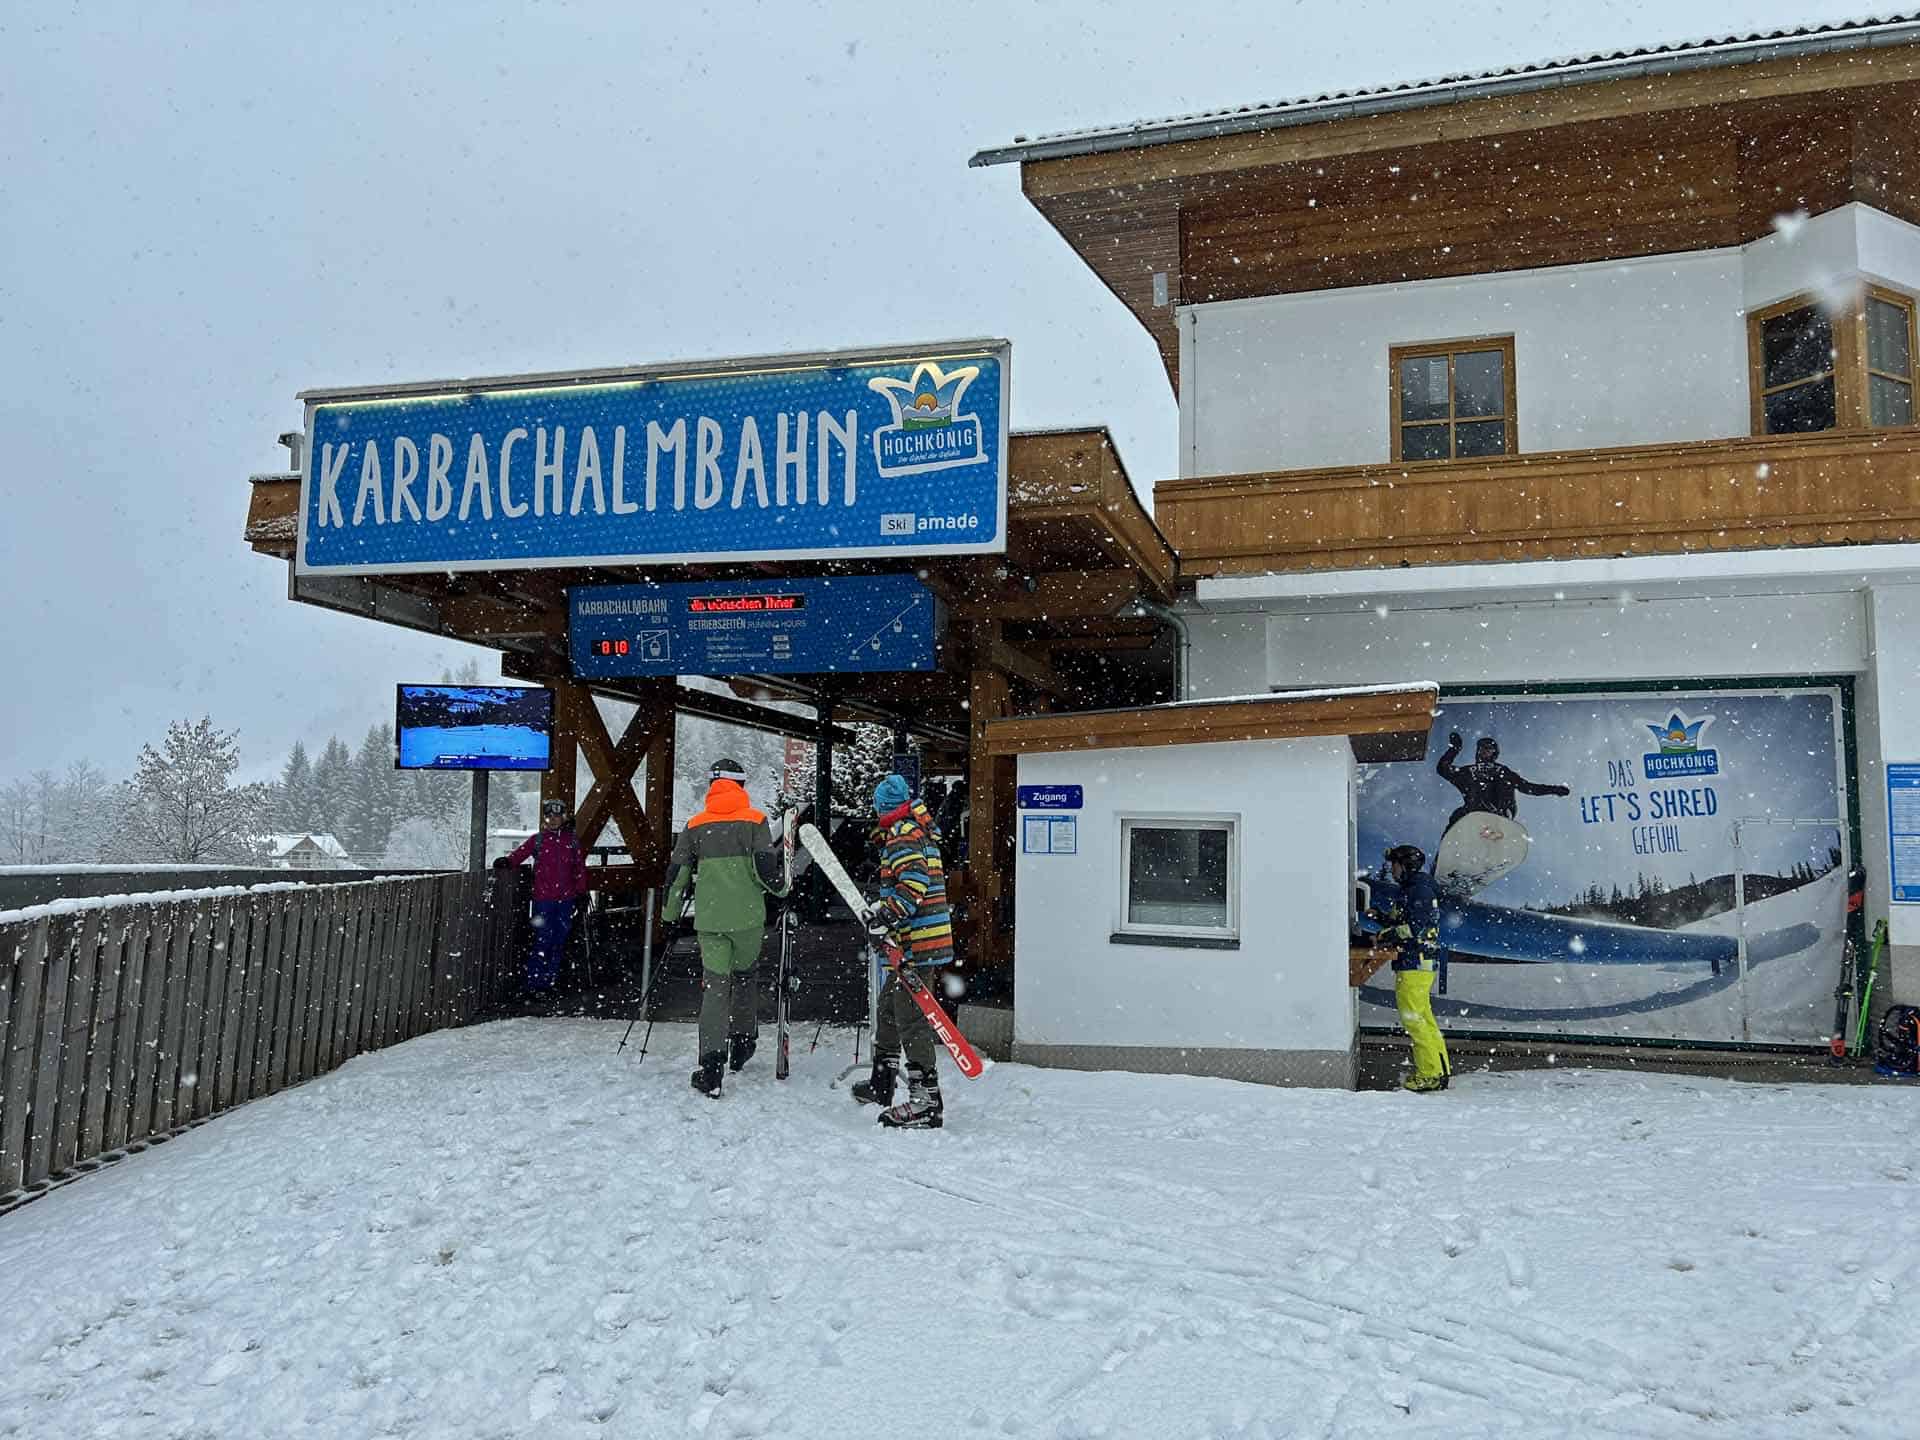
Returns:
(1594, 169)
(1080, 549)
(1383, 722)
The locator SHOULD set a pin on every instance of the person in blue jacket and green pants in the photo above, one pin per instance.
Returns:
(1412, 917)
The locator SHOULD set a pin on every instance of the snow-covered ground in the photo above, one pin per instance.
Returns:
(513, 1231)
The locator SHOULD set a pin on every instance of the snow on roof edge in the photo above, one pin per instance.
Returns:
(1706, 52)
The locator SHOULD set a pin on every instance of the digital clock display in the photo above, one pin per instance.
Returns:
(610, 647)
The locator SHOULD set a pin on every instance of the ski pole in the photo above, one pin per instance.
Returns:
(646, 968)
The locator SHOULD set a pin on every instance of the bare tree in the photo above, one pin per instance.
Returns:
(46, 819)
(182, 804)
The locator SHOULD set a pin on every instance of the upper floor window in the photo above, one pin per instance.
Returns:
(1453, 399)
(1890, 355)
(1816, 369)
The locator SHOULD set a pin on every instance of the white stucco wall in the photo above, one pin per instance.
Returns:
(1635, 352)
(1284, 988)
(1298, 381)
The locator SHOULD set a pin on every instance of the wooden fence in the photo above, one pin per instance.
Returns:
(127, 1021)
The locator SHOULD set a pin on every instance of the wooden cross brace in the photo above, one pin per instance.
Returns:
(648, 737)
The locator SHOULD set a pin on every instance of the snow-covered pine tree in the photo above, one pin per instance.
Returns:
(296, 791)
(332, 787)
(858, 767)
(371, 806)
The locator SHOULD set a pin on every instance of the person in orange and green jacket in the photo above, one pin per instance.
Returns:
(726, 852)
(911, 916)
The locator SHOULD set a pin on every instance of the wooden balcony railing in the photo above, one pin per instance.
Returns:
(1832, 488)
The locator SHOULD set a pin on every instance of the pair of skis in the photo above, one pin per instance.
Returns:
(965, 1057)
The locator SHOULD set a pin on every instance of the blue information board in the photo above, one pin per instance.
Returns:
(899, 452)
(1048, 797)
(1903, 831)
(753, 627)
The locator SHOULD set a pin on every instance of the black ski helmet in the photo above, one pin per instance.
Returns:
(1411, 856)
(553, 807)
(726, 769)
(1486, 748)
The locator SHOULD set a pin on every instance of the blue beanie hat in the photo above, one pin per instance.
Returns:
(890, 794)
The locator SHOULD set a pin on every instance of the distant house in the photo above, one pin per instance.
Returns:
(304, 852)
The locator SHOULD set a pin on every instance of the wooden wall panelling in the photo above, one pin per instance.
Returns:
(168, 920)
(313, 1036)
(346, 1021)
(15, 939)
(1827, 488)
(44, 1119)
(126, 1043)
(193, 1027)
(293, 1009)
(263, 925)
(27, 950)
(77, 1038)
(228, 1083)
(188, 923)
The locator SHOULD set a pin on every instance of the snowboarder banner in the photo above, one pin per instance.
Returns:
(1584, 849)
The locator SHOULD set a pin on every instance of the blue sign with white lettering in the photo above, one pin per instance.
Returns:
(881, 453)
(753, 627)
(1048, 797)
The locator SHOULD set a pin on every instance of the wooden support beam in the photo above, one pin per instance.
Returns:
(1018, 663)
(659, 804)
(611, 796)
(1058, 596)
(990, 813)
(561, 777)
(480, 618)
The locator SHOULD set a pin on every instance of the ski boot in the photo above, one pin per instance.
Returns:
(922, 1110)
(1425, 1084)
(740, 1049)
(707, 1078)
(877, 1088)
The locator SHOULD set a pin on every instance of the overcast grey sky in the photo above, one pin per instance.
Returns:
(207, 207)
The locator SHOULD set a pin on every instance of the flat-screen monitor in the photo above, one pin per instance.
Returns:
(473, 727)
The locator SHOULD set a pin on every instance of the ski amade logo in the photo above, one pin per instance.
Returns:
(1680, 752)
(929, 429)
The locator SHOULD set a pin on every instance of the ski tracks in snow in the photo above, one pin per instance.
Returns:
(512, 1232)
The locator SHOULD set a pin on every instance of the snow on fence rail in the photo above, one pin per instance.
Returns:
(123, 1022)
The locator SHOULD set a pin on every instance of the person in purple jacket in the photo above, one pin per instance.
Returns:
(559, 881)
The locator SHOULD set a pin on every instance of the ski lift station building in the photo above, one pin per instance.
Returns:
(1569, 407)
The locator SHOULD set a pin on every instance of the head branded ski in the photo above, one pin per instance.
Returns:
(965, 1057)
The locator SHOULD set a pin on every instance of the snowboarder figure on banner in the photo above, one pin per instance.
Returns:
(1483, 839)
(727, 854)
(911, 914)
(559, 889)
(1411, 916)
(1486, 785)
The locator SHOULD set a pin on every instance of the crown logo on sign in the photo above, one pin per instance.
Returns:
(930, 399)
(1678, 736)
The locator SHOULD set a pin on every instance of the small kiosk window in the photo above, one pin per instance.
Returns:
(1181, 879)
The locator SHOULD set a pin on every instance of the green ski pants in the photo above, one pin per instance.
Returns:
(727, 960)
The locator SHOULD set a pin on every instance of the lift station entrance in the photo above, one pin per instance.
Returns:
(860, 532)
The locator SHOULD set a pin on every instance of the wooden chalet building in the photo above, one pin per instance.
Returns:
(1583, 389)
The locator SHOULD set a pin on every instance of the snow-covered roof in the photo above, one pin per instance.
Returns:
(1709, 53)
(279, 846)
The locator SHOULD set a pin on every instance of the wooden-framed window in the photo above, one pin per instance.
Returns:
(1815, 368)
(1453, 399)
(1890, 355)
